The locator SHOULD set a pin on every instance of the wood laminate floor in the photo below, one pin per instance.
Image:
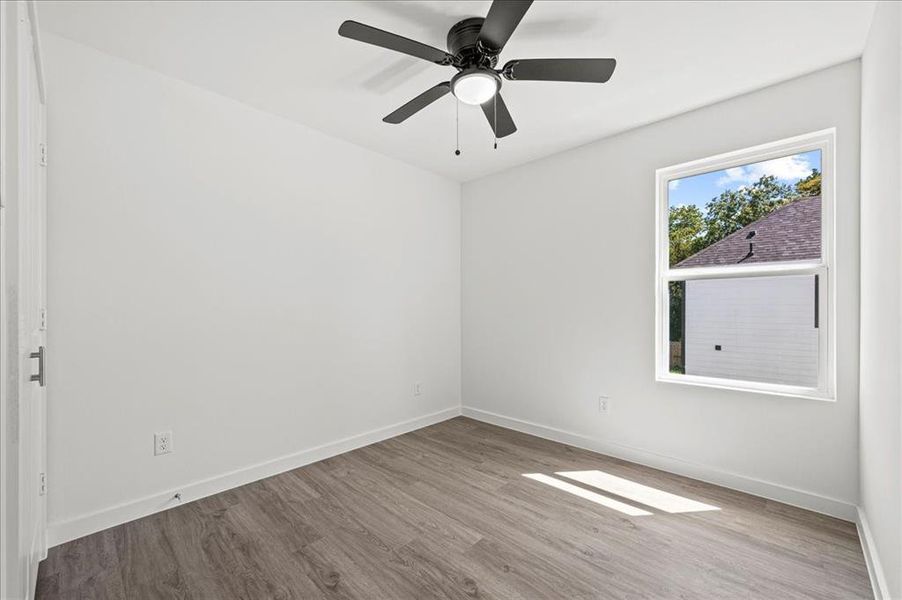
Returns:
(446, 512)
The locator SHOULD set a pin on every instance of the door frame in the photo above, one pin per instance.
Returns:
(4, 308)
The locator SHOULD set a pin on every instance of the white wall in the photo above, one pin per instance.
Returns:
(252, 285)
(881, 291)
(763, 325)
(558, 262)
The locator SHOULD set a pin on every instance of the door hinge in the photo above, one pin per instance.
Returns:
(43, 489)
(43, 155)
(43, 319)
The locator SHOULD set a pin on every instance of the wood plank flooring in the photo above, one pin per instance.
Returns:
(445, 512)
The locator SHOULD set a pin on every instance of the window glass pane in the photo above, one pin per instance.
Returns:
(762, 329)
(767, 211)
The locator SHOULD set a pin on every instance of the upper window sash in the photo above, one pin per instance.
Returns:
(821, 140)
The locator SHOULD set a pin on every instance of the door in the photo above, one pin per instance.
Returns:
(31, 218)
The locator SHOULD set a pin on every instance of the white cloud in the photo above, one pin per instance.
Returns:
(788, 168)
(673, 184)
(734, 174)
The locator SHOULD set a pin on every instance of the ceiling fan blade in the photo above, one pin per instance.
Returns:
(505, 123)
(503, 18)
(590, 70)
(418, 103)
(384, 39)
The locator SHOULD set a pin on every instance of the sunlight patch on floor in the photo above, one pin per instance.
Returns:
(637, 492)
(588, 495)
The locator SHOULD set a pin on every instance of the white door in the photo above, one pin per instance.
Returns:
(31, 212)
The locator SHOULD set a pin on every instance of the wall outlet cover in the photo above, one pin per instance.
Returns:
(162, 443)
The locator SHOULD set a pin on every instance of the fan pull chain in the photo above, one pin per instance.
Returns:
(457, 125)
(495, 118)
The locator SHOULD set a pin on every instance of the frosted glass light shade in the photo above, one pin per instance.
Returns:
(475, 88)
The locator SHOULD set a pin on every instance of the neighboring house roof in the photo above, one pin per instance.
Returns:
(792, 232)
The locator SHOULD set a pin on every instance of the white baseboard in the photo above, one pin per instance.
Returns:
(765, 489)
(60, 532)
(875, 570)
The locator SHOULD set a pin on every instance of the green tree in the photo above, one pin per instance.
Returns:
(686, 225)
(810, 186)
(677, 292)
(734, 209)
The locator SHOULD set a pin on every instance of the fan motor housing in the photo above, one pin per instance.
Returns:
(462, 44)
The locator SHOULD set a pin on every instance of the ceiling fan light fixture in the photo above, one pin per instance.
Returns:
(475, 86)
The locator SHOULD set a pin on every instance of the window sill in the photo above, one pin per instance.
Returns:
(771, 389)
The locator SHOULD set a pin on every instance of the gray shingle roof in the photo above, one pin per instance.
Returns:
(792, 232)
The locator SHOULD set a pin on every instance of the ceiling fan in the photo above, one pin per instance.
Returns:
(473, 48)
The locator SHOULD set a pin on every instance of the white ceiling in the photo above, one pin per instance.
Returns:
(287, 58)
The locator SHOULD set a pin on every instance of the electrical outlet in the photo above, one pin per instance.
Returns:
(417, 389)
(162, 443)
(604, 403)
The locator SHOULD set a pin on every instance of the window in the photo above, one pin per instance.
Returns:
(744, 279)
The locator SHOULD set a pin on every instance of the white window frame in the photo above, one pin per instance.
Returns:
(825, 141)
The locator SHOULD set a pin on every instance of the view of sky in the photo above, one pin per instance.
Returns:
(700, 189)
